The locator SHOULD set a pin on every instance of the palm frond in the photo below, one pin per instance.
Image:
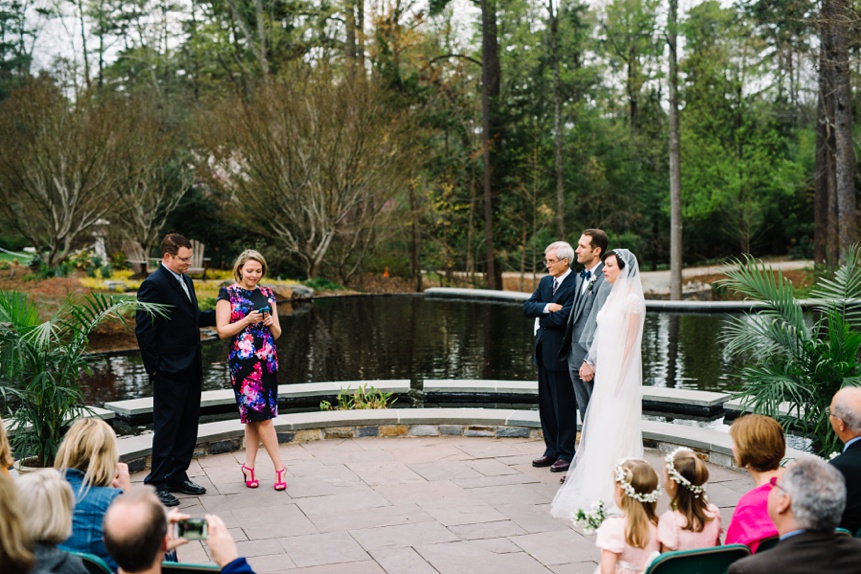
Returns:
(762, 282)
(18, 310)
(843, 293)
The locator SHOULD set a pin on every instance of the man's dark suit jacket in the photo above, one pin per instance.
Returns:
(548, 340)
(171, 346)
(849, 465)
(805, 553)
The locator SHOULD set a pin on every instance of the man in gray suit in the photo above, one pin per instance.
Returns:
(590, 292)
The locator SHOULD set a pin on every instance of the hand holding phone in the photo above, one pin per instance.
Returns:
(191, 529)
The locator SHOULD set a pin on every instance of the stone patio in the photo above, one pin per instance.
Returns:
(410, 505)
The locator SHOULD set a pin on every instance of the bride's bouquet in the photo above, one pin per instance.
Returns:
(590, 521)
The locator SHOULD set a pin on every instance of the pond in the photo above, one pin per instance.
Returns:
(411, 337)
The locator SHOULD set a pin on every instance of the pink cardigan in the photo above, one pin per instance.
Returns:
(750, 522)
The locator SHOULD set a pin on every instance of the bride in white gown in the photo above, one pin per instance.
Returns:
(612, 428)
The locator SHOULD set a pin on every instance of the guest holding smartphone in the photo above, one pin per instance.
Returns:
(246, 313)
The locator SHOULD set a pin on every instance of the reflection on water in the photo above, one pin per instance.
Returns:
(407, 337)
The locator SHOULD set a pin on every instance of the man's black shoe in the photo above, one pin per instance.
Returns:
(167, 498)
(543, 461)
(186, 487)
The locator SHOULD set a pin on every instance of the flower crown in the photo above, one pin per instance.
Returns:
(676, 476)
(622, 480)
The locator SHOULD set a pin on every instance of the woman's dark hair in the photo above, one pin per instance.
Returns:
(619, 261)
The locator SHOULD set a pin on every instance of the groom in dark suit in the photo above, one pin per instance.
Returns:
(550, 305)
(845, 417)
(171, 352)
(590, 293)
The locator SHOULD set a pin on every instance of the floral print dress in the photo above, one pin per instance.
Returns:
(253, 360)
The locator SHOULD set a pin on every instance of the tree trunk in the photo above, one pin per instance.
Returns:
(416, 237)
(824, 178)
(490, 81)
(557, 122)
(675, 160)
(846, 224)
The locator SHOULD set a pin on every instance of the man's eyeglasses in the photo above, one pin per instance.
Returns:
(773, 482)
(183, 259)
(552, 261)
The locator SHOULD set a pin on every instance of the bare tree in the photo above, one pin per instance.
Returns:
(56, 173)
(314, 163)
(155, 175)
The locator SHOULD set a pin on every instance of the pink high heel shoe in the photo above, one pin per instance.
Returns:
(279, 479)
(253, 482)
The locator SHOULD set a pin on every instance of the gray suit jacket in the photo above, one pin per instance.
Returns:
(580, 330)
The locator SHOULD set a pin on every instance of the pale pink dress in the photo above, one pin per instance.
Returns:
(671, 532)
(611, 537)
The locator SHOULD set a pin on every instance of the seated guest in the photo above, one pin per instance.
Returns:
(16, 548)
(89, 457)
(845, 417)
(5, 451)
(806, 503)
(137, 535)
(47, 501)
(692, 521)
(758, 445)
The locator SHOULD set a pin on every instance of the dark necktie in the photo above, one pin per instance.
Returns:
(586, 275)
(555, 285)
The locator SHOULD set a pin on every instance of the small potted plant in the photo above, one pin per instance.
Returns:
(41, 362)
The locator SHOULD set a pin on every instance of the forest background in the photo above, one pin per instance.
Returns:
(355, 136)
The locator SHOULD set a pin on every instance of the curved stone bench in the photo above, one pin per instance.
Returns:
(213, 400)
(664, 399)
(227, 436)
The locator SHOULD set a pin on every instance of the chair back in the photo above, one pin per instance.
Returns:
(94, 564)
(767, 543)
(715, 560)
(135, 256)
(187, 568)
(198, 264)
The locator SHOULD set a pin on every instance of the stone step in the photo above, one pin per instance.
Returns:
(226, 436)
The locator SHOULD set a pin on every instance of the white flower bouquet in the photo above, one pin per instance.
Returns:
(590, 521)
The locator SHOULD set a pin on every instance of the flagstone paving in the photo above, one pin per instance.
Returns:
(440, 505)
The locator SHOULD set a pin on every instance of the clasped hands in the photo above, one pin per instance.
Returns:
(587, 372)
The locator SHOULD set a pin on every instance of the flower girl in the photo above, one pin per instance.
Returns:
(692, 521)
(628, 541)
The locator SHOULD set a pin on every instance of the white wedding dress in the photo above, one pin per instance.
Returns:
(612, 429)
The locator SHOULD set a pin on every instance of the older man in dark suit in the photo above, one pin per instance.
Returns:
(171, 352)
(550, 305)
(845, 417)
(805, 504)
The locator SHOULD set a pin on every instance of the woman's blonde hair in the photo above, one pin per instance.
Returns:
(47, 502)
(693, 505)
(6, 459)
(245, 257)
(91, 447)
(759, 441)
(16, 549)
(644, 480)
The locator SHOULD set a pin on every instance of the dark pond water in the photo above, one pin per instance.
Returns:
(406, 337)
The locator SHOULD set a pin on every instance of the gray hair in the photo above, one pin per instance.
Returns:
(843, 410)
(563, 251)
(817, 491)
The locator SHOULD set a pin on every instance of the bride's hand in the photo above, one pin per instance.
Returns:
(587, 372)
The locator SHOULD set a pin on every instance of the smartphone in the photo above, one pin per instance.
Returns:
(266, 309)
(191, 529)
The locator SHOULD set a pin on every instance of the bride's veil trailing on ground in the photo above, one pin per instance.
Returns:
(613, 427)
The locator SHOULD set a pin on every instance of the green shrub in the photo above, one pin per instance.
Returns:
(362, 398)
(323, 284)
